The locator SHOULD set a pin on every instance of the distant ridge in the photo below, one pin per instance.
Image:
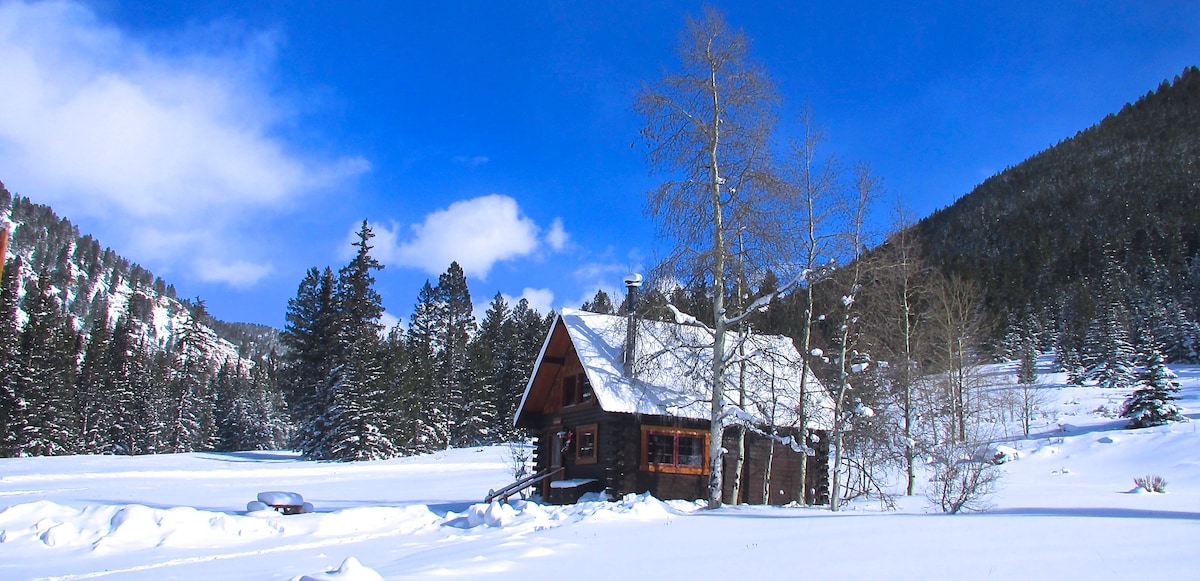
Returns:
(1112, 213)
(91, 277)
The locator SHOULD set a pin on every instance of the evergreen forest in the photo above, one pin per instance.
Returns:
(98, 356)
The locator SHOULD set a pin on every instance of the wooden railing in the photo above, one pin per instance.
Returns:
(520, 485)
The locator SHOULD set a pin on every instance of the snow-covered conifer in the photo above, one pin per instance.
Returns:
(1152, 403)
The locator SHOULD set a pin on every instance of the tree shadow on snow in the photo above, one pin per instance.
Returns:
(263, 456)
(1067, 430)
(1098, 512)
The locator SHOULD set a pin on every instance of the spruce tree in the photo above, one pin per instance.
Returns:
(426, 407)
(485, 422)
(1109, 355)
(189, 419)
(600, 303)
(12, 410)
(125, 366)
(359, 422)
(46, 360)
(1152, 403)
(458, 327)
(311, 338)
(96, 407)
(397, 396)
(528, 331)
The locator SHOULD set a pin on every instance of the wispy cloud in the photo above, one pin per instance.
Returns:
(96, 122)
(238, 273)
(471, 161)
(557, 237)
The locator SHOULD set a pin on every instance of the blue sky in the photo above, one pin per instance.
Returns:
(230, 146)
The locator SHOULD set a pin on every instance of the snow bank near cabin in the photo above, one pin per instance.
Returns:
(107, 529)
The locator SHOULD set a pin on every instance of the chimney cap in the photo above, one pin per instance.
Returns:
(633, 279)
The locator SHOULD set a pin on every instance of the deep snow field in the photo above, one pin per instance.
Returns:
(1066, 509)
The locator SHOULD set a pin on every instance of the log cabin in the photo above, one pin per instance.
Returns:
(621, 405)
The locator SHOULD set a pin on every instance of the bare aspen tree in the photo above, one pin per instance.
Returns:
(895, 318)
(866, 188)
(708, 126)
(814, 185)
(957, 326)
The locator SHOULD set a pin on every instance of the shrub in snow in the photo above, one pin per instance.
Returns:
(1151, 403)
(1151, 483)
(1002, 454)
(961, 481)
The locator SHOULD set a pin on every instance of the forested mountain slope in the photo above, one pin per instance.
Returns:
(1108, 220)
(90, 278)
(97, 355)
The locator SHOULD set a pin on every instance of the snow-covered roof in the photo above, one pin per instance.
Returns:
(672, 367)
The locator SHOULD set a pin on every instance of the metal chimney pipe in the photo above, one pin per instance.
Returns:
(632, 282)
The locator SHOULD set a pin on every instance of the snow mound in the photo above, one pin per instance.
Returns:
(280, 498)
(351, 570)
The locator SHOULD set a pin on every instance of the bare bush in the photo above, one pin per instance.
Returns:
(962, 479)
(1150, 483)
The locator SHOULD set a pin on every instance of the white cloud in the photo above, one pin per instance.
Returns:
(389, 321)
(557, 237)
(477, 233)
(95, 122)
(540, 299)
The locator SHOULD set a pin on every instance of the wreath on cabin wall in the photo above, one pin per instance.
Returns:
(568, 440)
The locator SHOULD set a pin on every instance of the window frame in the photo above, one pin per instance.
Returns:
(575, 390)
(675, 434)
(593, 430)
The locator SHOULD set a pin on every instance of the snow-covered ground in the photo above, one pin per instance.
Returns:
(1066, 509)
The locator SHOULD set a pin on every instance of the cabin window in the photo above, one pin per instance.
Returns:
(569, 390)
(585, 451)
(576, 390)
(674, 450)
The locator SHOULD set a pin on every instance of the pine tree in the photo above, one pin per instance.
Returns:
(311, 338)
(426, 407)
(397, 397)
(486, 424)
(1110, 359)
(1027, 361)
(358, 421)
(12, 412)
(601, 303)
(1152, 403)
(96, 407)
(527, 331)
(46, 360)
(152, 373)
(458, 327)
(125, 365)
(189, 418)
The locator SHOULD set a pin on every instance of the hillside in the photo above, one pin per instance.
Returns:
(97, 355)
(91, 277)
(1067, 508)
(1111, 215)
